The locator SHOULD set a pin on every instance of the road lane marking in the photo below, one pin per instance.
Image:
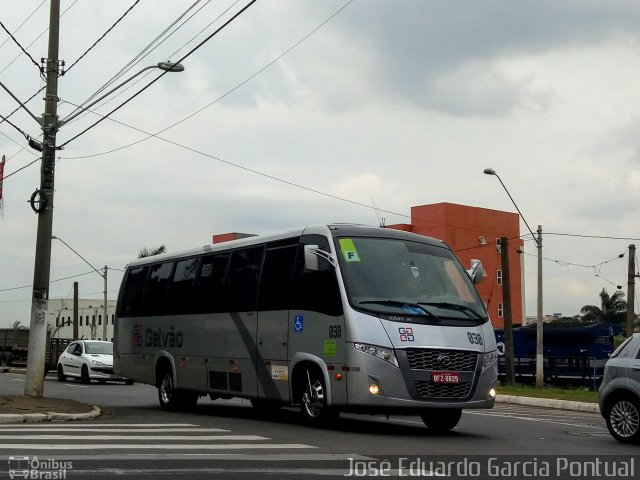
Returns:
(193, 438)
(140, 446)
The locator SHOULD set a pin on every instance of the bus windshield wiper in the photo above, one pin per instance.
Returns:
(454, 306)
(398, 303)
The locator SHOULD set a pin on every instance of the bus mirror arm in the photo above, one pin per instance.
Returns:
(311, 255)
(476, 272)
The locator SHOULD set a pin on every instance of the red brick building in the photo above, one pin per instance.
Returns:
(473, 232)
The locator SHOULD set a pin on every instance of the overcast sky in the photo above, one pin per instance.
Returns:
(392, 103)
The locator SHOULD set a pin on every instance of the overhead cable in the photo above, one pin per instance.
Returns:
(103, 35)
(24, 21)
(22, 48)
(162, 74)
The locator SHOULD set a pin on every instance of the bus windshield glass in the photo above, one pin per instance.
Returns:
(392, 277)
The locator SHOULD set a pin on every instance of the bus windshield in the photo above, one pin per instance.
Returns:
(392, 277)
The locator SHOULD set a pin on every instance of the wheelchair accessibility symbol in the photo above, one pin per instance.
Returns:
(298, 326)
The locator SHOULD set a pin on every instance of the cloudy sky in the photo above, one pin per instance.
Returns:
(302, 112)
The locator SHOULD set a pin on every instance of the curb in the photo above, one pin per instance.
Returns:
(549, 403)
(47, 417)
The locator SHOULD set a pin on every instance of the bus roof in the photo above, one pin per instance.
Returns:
(331, 229)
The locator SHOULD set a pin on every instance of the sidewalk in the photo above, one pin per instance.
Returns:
(25, 409)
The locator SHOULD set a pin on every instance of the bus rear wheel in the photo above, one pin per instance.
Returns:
(441, 420)
(313, 401)
(173, 399)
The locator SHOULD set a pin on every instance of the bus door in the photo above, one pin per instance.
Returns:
(273, 321)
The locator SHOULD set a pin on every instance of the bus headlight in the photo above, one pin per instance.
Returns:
(386, 354)
(489, 358)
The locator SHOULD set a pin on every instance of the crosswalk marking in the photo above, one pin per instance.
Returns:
(191, 438)
(151, 446)
(143, 438)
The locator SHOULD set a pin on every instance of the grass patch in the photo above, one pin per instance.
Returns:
(577, 394)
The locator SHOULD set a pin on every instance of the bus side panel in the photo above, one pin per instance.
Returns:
(321, 336)
(228, 341)
(272, 362)
(128, 360)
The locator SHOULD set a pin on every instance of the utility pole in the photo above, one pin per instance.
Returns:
(631, 288)
(34, 379)
(75, 310)
(104, 310)
(506, 308)
(539, 317)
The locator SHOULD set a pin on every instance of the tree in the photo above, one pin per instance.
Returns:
(17, 325)
(145, 252)
(613, 308)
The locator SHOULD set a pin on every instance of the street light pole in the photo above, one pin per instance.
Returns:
(34, 376)
(165, 66)
(103, 275)
(539, 316)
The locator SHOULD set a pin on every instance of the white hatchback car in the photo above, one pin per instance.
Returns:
(88, 360)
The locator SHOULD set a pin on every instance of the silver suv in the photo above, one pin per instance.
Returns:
(619, 394)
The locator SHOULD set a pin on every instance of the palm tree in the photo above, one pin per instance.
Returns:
(613, 308)
(145, 252)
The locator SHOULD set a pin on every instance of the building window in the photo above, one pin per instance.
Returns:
(112, 318)
(498, 244)
(57, 321)
(500, 310)
(499, 277)
(99, 319)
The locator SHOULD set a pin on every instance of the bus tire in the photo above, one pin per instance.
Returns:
(313, 401)
(173, 399)
(441, 420)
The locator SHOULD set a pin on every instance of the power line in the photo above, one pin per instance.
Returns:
(162, 74)
(22, 168)
(25, 21)
(40, 69)
(592, 236)
(56, 280)
(103, 35)
(265, 67)
(136, 59)
(6, 119)
(38, 37)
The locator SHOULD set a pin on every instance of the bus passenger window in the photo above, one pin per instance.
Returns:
(181, 292)
(276, 278)
(242, 280)
(210, 284)
(131, 303)
(155, 296)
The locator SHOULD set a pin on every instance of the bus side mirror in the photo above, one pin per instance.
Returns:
(476, 272)
(311, 261)
(312, 254)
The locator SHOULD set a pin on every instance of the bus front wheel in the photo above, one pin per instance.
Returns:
(174, 399)
(313, 401)
(441, 420)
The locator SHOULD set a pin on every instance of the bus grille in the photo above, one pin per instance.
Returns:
(428, 359)
(443, 390)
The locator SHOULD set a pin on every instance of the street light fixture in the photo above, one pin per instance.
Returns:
(104, 277)
(539, 325)
(165, 66)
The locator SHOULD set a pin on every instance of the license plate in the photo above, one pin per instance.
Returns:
(445, 377)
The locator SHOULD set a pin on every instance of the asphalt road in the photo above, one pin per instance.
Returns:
(229, 439)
